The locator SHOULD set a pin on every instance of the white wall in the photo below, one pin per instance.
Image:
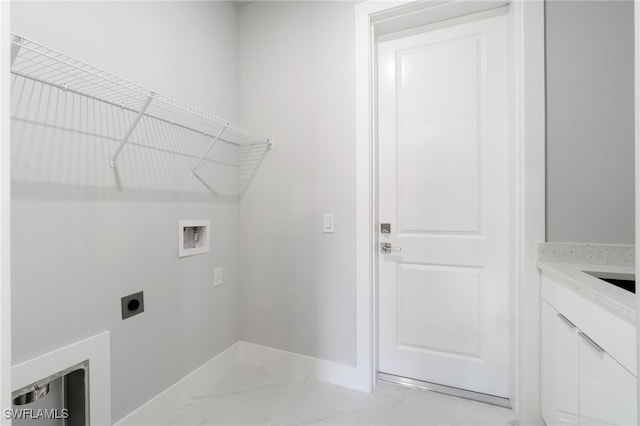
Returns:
(297, 76)
(5, 212)
(590, 124)
(80, 242)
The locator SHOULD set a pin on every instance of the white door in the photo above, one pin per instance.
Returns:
(443, 188)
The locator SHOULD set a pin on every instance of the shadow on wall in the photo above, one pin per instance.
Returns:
(62, 143)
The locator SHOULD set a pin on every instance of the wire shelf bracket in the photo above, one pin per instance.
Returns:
(206, 185)
(204, 154)
(131, 129)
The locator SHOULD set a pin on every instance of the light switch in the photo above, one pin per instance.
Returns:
(217, 280)
(328, 225)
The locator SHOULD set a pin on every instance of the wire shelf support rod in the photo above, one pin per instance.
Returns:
(213, 142)
(131, 129)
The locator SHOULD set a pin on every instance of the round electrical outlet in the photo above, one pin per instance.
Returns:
(133, 304)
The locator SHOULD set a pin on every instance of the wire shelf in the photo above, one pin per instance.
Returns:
(43, 65)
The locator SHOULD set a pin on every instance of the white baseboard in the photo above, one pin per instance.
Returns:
(199, 380)
(299, 365)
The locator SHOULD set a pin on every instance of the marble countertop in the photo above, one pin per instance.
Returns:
(566, 263)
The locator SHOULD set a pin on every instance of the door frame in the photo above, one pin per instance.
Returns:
(526, 192)
(636, 114)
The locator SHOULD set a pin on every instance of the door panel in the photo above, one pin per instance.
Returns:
(443, 186)
(437, 186)
(447, 325)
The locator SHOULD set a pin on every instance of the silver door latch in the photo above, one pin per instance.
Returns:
(386, 248)
(385, 228)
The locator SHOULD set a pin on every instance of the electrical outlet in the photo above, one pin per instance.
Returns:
(217, 277)
(132, 304)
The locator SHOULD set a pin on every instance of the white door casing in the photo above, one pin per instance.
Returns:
(443, 187)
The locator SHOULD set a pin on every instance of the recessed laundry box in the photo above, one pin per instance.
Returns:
(68, 386)
(57, 400)
(193, 237)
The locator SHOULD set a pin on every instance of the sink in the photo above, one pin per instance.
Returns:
(623, 281)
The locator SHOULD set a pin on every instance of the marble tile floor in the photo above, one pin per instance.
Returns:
(253, 395)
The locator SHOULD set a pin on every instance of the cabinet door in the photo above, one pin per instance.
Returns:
(607, 389)
(560, 369)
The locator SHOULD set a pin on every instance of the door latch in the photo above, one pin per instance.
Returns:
(385, 228)
(386, 248)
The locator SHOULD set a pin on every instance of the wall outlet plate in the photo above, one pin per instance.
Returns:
(193, 237)
(132, 304)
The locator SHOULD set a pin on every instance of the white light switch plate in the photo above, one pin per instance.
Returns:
(217, 277)
(328, 224)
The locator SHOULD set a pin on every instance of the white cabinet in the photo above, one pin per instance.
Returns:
(581, 383)
(560, 369)
(607, 390)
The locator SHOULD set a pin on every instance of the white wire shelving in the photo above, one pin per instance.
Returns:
(33, 61)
